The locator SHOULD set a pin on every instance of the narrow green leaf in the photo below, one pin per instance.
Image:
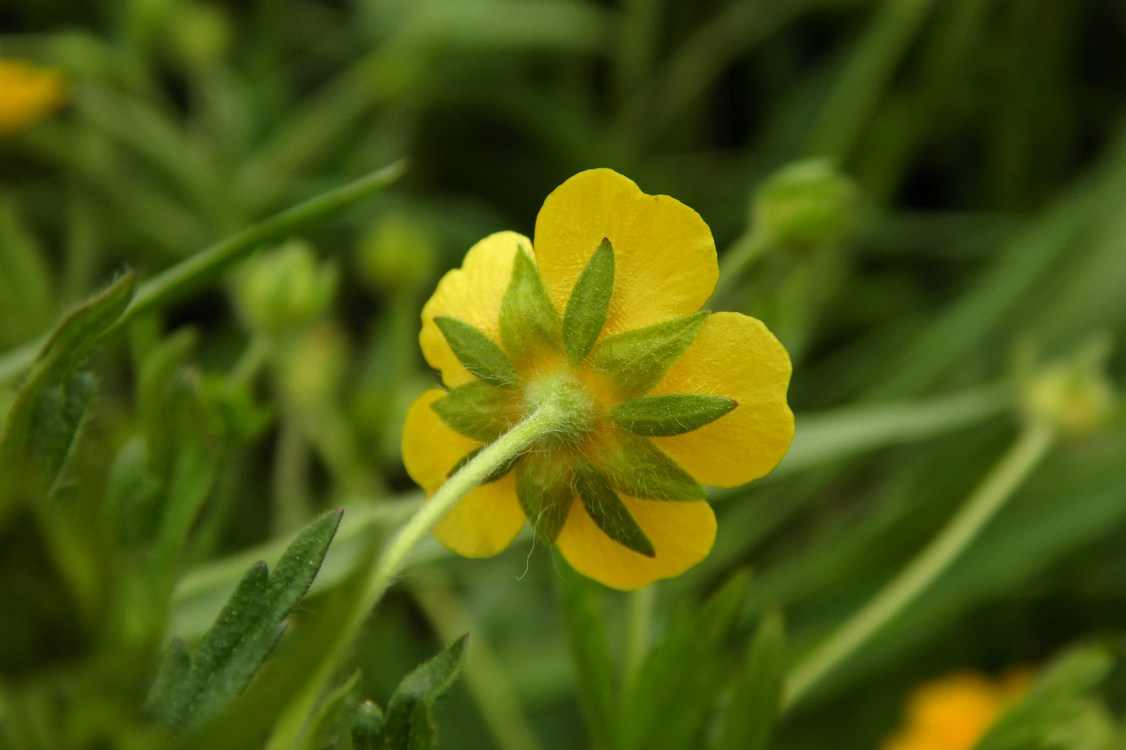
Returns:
(640, 469)
(367, 727)
(477, 352)
(609, 513)
(528, 318)
(589, 303)
(545, 495)
(409, 722)
(756, 699)
(27, 297)
(170, 690)
(669, 702)
(499, 473)
(42, 423)
(670, 414)
(477, 410)
(636, 360)
(583, 605)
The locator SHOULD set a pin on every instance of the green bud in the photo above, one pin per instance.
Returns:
(397, 253)
(285, 288)
(637, 360)
(529, 322)
(368, 727)
(589, 303)
(807, 204)
(477, 352)
(608, 511)
(477, 410)
(1074, 395)
(670, 414)
(311, 366)
(640, 469)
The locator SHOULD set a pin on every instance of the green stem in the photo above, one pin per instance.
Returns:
(551, 416)
(205, 265)
(989, 497)
(737, 261)
(639, 625)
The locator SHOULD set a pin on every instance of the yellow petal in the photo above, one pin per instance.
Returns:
(488, 518)
(665, 259)
(472, 294)
(27, 93)
(682, 535)
(737, 357)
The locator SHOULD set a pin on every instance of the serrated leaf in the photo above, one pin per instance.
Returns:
(756, 698)
(637, 468)
(367, 727)
(529, 321)
(477, 352)
(476, 410)
(409, 723)
(44, 418)
(637, 360)
(249, 626)
(545, 495)
(670, 414)
(608, 511)
(589, 303)
(674, 693)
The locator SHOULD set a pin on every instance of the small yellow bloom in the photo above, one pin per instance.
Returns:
(667, 398)
(27, 94)
(956, 711)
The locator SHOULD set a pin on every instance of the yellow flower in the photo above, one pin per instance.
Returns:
(956, 711)
(666, 398)
(27, 93)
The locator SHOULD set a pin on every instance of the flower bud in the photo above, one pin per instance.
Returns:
(1074, 395)
(285, 288)
(397, 253)
(807, 204)
(311, 366)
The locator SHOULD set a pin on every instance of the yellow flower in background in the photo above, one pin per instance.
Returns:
(954, 712)
(27, 94)
(604, 313)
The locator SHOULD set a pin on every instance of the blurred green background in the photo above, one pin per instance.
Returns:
(964, 218)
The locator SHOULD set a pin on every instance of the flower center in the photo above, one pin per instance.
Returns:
(563, 393)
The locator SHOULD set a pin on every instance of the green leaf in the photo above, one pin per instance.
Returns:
(582, 603)
(756, 699)
(640, 469)
(477, 352)
(171, 689)
(529, 321)
(326, 721)
(545, 495)
(670, 414)
(589, 303)
(608, 511)
(1055, 705)
(43, 422)
(245, 632)
(27, 299)
(409, 722)
(637, 360)
(477, 410)
(675, 692)
(367, 727)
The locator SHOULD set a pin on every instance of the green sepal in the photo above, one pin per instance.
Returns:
(410, 725)
(476, 410)
(499, 473)
(545, 495)
(670, 414)
(608, 511)
(529, 321)
(367, 727)
(637, 468)
(477, 352)
(637, 360)
(589, 303)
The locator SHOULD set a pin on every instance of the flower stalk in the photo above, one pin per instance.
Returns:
(985, 502)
